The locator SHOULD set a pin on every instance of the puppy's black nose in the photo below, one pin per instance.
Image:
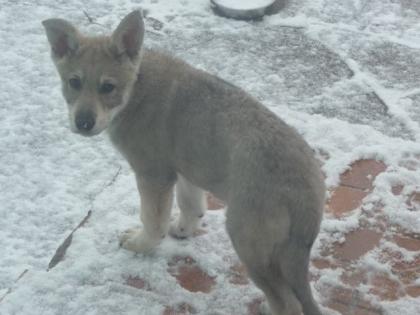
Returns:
(85, 121)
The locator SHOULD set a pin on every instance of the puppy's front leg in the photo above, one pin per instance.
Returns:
(156, 203)
(192, 203)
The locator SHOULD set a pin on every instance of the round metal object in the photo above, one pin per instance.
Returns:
(241, 9)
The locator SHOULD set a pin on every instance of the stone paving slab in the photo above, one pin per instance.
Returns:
(396, 66)
(300, 72)
(281, 59)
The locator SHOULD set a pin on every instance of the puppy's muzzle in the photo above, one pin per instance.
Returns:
(85, 121)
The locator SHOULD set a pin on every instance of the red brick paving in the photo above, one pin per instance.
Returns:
(357, 243)
(357, 183)
(362, 173)
(397, 190)
(238, 275)
(137, 282)
(349, 301)
(347, 297)
(321, 263)
(190, 276)
(386, 288)
(411, 243)
(414, 201)
(413, 291)
(345, 199)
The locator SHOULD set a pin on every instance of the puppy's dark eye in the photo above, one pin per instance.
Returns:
(106, 88)
(75, 83)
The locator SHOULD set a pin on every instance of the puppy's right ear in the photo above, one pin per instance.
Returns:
(63, 37)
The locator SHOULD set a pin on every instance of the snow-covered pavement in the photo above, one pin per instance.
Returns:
(345, 74)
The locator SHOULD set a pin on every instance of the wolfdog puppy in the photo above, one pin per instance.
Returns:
(179, 125)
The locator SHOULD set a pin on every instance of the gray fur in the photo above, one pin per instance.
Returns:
(172, 121)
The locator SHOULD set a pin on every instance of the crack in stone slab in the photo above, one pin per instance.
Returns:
(9, 290)
(62, 249)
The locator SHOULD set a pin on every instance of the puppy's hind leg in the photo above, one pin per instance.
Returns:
(288, 278)
(192, 203)
(294, 263)
(280, 297)
(255, 236)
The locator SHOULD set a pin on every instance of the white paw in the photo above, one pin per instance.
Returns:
(136, 240)
(179, 230)
(184, 226)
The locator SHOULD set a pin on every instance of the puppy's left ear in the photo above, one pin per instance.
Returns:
(128, 36)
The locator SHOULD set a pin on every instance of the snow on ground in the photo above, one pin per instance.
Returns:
(344, 73)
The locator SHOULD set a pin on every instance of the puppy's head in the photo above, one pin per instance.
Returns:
(97, 73)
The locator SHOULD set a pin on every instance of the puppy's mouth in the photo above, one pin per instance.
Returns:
(87, 132)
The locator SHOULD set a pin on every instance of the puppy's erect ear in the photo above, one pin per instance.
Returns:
(63, 37)
(128, 37)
